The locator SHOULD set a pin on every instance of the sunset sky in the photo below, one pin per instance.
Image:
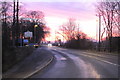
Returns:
(58, 12)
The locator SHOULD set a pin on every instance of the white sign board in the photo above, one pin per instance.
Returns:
(28, 34)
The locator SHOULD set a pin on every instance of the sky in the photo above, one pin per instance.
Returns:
(58, 12)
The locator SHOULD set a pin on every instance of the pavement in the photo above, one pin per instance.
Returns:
(39, 59)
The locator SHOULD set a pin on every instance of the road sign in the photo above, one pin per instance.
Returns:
(28, 34)
(25, 41)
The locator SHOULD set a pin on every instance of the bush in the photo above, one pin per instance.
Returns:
(79, 44)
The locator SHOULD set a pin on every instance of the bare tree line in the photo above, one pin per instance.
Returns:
(110, 13)
(73, 35)
(110, 16)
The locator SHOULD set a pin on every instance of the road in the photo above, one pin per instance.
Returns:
(70, 63)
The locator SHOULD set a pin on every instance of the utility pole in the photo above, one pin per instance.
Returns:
(96, 47)
(35, 26)
(17, 22)
(99, 45)
(55, 36)
(119, 29)
(13, 27)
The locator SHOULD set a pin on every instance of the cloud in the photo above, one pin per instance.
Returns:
(64, 9)
(56, 13)
(53, 0)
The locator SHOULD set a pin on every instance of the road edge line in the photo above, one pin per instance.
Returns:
(40, 68)
(105, 61)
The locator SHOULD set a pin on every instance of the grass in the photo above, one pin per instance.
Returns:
(12, 56)
(102, 52)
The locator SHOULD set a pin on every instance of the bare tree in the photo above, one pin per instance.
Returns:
(110, 15)
(69, 29)
(36, 16)
(75, 38)
(6, 25)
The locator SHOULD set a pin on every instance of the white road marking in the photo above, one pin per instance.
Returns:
(96, 58)
(101, 60)
(97, 55)
(63, 59)
(91, 72)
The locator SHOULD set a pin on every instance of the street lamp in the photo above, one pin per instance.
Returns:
(35, 26)
(99, 46)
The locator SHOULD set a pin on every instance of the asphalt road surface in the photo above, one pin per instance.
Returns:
(70, 63)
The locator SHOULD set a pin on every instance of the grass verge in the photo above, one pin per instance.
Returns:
(14, 55)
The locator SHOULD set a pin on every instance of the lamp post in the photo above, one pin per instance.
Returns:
(99, 32)
(35, 33)
(99, 42)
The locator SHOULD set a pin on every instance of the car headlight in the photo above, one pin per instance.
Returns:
(35, 45)
(26, 45)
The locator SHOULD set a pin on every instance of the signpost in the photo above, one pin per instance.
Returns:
(28, 34)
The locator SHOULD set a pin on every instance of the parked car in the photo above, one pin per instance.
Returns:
(36, 45)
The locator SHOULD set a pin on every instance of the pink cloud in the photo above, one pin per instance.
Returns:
(66, 9)
(57, 13)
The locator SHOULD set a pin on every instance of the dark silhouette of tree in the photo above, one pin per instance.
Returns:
(36, 16)
(109, 12)
(6, 25)
(34, 21)
(74, 37)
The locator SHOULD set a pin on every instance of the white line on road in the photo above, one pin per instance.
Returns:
(97, 55)
(63, 59)
(101, 60)
(87, 70)
(39, 68)
(97, 59)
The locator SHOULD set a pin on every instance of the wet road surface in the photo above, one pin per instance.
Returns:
(76, 64)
